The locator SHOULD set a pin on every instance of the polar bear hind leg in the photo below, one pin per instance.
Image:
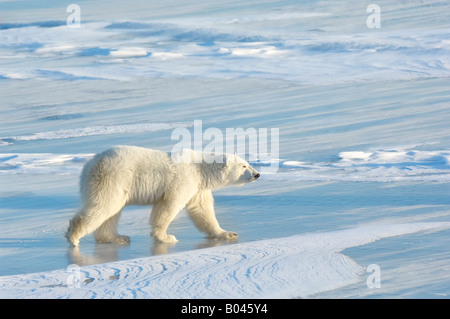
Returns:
(107, 232)
(97, 218)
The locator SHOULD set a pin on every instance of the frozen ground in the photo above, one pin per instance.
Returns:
(364, 156)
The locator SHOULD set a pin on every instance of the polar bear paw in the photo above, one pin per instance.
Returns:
(226, 235)
(168, 239)
(116, 239)
(121, 239)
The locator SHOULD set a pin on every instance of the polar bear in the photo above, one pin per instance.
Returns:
(130, 175)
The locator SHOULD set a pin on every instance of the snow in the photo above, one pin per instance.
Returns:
(377, 166)
(290, 267)
(97, 130)
(363, 168)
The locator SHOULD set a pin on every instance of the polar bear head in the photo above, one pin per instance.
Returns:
(218, 169)
(237, 171)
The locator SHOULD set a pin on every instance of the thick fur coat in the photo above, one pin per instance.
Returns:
(129, 175)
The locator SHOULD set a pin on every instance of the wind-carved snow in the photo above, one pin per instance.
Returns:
(128, 53)
(42, 163)
(95, 130)
(290, 267)
(234, 48)
(376, 166)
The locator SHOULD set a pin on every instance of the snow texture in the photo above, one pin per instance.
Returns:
(291, 267)
(363, 168)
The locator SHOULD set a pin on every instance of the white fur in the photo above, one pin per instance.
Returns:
(129, 175)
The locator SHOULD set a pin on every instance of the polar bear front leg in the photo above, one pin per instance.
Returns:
(201, 210)
(163, 213)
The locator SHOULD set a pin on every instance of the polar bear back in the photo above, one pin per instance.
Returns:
(140, 174)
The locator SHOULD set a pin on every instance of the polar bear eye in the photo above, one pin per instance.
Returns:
(245, 166)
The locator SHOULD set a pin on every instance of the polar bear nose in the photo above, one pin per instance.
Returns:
(257, 175)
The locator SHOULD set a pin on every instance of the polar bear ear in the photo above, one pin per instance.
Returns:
(231, 159)
(227, 159)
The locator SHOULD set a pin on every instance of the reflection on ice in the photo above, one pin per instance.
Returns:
(99, 253)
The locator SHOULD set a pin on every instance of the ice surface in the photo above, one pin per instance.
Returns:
(291, 267)
(363, 170)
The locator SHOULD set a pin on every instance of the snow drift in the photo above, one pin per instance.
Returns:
(290, 267)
